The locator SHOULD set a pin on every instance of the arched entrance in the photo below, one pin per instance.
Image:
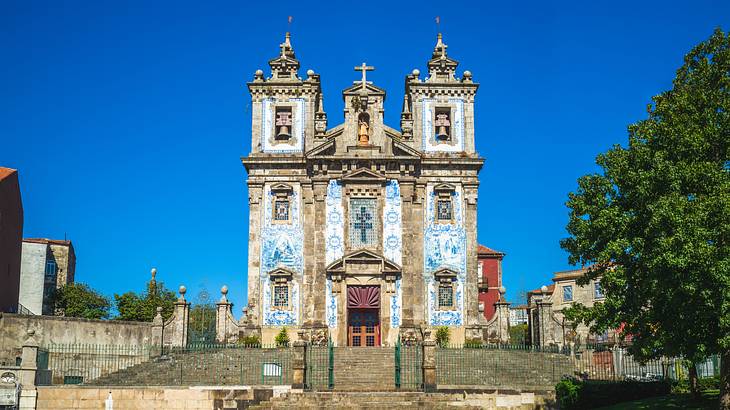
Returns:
(363, 316)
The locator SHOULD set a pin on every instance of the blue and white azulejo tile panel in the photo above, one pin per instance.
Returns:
(457, 127)
(281, 246)
(392, 243)
(268, 143)
(334, 242)
(444, 246)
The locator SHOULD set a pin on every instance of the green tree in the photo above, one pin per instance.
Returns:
(655, 222)
(143, 307)
(79, 300)
(518, 334)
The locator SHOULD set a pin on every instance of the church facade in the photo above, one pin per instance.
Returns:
(360, 232)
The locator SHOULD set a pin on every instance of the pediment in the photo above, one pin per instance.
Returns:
(363, 175)
(445, 274)
(356, 89)
(444, 188)
(325, 148)
(364, 256)
(281, 272)
(401, 148)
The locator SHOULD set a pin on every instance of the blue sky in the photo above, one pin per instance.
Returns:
(127, 119)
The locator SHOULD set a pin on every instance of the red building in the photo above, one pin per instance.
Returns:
(11, 239)
(490, 274)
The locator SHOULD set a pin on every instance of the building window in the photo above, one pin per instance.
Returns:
(444, 209)
(363, 222)
(50, 269)
(281, 210)
(283, 123)
(597, 290)
(446, 296)
(281, 296)
(568, 293)
(442, 124)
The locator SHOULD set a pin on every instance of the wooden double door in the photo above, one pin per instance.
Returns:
(363, 327)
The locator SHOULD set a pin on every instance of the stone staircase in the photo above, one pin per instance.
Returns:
(364, 369)
(368, 400)
(206, 367)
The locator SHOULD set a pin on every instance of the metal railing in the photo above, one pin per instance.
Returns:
(408, 366)
(196, 365)
(320, 370)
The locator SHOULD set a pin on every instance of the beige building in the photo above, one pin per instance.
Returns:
(547, 325)
(363, 232)
(46, 265)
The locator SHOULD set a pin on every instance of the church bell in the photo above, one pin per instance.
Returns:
(442, 132)
(284, 132)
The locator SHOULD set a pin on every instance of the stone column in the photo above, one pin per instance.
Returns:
(471, 291)
(429, 362)
(255, 192)
(299, 363)
(181, 317)
(28, 369)
(157, 333)
(502, 311)
(221, 317)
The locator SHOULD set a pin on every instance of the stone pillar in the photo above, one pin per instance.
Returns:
(221, 317)
(429, 362)
(471, 291)
(181, 318)
(157, 333)
(28, 369)
(299, 363)
(502, 310)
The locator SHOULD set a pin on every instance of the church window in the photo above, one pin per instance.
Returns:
(568, 293)
(442, 124)
(283, 123)
(363, 222)
(446, 295)
(281, 210)
(281, 296)
(444, 209)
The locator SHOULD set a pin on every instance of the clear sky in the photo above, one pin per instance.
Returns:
(127, 119)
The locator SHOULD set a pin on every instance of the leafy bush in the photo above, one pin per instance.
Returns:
(282, 339)
(79, 300)
(574, 394)
(442, 336)
(567, 392)
(250, 340)
(473, 343)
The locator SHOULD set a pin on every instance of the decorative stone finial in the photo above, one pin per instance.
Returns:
(543, 289)
(224, 290)
(467, 76)
(416, 72)
(310, 72)
(159, 310)
(153, 272)
(182, 289)
(502, 290)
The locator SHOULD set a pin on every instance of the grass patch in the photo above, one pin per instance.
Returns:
(673, 401)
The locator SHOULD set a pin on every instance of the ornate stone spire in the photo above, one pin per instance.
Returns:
(286, 65)
(406, 119)
(441, 67)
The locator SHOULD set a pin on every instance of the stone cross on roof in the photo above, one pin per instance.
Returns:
(364, 68)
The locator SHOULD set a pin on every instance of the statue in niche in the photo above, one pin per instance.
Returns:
(363, 129)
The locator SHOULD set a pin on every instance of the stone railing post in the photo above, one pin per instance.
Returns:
(181, 319)
(223, 307)
(28, 370)
(157, 333)
(429, 362)
(502, 308)
(299, 364)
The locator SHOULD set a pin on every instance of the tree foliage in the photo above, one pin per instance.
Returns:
(142, 307)
(655, 223)
(79, 300)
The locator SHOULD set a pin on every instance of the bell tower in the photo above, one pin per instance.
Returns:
(438, 111)
(287, 110)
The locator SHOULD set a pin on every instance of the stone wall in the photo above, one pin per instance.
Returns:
(11, 235)
(64, 330)
(32, 276)
(67, 397)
